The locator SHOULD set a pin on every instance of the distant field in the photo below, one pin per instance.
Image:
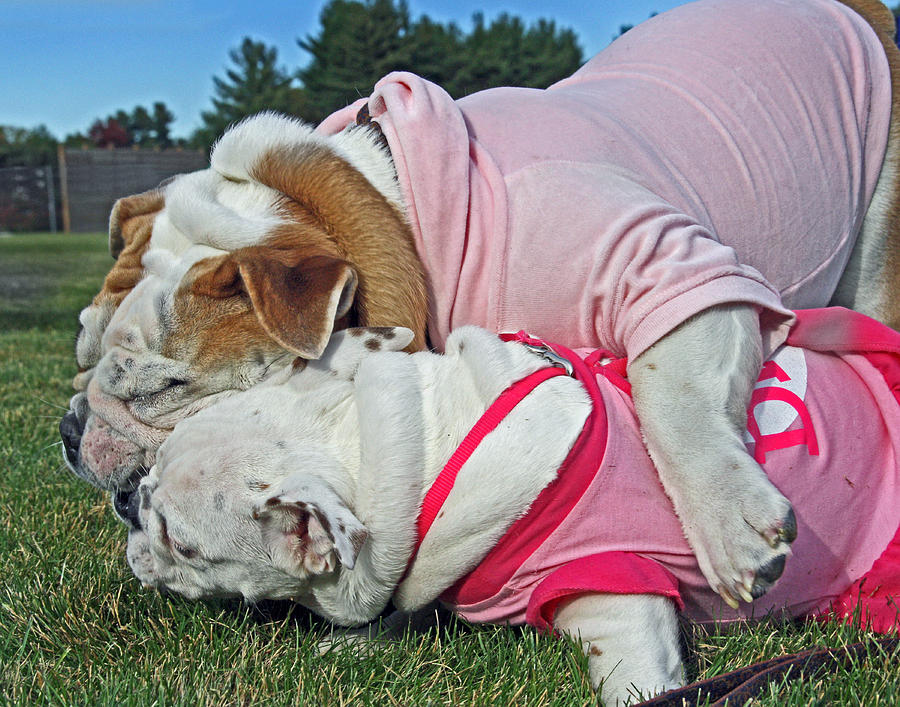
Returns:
(77, 629)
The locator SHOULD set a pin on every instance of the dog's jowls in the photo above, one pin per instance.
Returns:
(308, 487)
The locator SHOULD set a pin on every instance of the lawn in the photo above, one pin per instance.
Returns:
(77, 628)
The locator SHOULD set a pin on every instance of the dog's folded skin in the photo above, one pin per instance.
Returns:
(309, 485)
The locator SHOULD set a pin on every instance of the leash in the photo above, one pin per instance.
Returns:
(739, 686)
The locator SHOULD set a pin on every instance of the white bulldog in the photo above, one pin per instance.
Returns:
(309, 486)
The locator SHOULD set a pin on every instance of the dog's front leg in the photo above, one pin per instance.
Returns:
(691, 392)
(631, 642)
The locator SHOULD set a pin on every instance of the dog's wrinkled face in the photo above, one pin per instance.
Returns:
(265, 512)
(227, 534)
(196, 328)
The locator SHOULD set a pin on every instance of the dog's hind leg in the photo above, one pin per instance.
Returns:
(631, 642)
(691, 392)
(871, 280)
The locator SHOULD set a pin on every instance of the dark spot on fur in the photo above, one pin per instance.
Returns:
(356, 332)
(326, 526)
(299, 364)
(385, 332)
(219, 501)
(281, 444)
(342, 528)
(461, 347)
(373, 344)
(257, 485)
(272, 501)
(595, 651)
(651, 366)
(256, 412)
(128, 363)
(358, 539)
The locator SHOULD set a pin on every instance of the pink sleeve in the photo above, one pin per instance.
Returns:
(605, 573)
(636, 267)
(839, 330)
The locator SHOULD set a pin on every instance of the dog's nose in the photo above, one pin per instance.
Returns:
(70, 430)
(128, 505)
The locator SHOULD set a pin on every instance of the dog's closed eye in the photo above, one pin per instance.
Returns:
(167, 387)
(183, 550)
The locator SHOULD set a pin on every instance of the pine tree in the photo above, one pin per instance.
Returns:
(358, 43)
(255, 83)
(362, 40)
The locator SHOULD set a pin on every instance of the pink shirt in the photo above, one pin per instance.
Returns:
(821, 427)
(706, 145)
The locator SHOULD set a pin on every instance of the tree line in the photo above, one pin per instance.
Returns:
(358, 41)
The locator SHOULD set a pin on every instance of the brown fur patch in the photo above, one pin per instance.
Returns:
(217, 327)
(130, 228)
(328, 193)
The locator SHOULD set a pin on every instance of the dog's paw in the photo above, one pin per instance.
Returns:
(741, 530)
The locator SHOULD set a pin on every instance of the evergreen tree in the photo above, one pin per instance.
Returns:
(359, 42)
(160, 121)
(140, 127)
(23, 147)
(505, 53)
(362, 40)
(255, 83)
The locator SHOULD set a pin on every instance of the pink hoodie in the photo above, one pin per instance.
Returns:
(706, 145)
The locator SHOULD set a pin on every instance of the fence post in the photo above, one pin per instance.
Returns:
(63, 187)
(51, 197)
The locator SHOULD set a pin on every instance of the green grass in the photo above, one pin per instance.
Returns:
(77, 628)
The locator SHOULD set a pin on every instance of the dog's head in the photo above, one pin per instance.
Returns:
(195, 329)
(254, 496)
(285, 218)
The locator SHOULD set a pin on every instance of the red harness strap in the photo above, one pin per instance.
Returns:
(492, 417)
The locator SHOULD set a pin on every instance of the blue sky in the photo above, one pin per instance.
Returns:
(67, 62)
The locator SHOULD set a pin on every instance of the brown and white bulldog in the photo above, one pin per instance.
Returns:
(313, 231)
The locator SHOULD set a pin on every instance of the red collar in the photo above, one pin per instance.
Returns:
(492, 417)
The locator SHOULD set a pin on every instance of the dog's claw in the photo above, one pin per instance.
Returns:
(745, 595)
(728, 598)
(785, 533)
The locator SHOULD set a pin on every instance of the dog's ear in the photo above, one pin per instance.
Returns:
(307, 526)
(131, 222)
(296, 301)
(348, 347)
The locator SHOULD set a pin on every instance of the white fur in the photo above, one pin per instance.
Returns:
(219, 211)
(372, 415)
(631, 642)
(238, 151)
(691, 391)
(868, 258)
